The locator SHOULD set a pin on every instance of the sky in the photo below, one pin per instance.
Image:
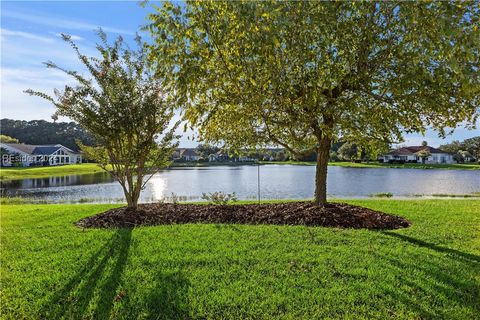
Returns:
(30, 35)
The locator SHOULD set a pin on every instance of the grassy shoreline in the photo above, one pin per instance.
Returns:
(456, 166)
(429, 270)
(90, 168)
(45, 172)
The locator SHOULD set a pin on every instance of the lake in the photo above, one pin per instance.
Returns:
(276, 182)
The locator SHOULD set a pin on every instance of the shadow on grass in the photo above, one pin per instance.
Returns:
(99, 280)
(168, 298)
(426, 279)
(421, 243)
(95, 289)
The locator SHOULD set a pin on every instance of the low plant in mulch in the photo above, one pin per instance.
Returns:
(339, 215)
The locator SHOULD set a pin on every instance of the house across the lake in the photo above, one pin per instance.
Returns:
(419, 154)
(19, 154)
(186, 154)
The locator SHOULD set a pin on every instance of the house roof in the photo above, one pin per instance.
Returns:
(188, 153)
(37, 149)
(26, 148)
(415, 149)
(45, 150)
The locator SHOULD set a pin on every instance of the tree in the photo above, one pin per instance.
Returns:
(124, 108)
(423, 154)
(465, 155)
(471, 145)
(44, 132)
(348, 151)
(205, 150)
(453, 147)
(305, 74)
(424, 143)
(333, 156)
(8, 139)
(281, 156)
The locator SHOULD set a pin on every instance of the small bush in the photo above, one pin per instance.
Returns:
(219, 198)
(381, 195)
(174, 198)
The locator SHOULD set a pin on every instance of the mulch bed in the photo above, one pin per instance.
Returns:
(339, 215)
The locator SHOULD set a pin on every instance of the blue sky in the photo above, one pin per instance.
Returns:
(30, 35)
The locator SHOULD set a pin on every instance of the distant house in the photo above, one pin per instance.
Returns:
(218, 156)
(29, 155)
(189, 155)
(414, 154)
(467, 156)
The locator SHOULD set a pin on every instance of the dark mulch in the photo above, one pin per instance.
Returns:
(340, 215)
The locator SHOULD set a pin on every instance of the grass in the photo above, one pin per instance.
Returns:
(456, 166)
(448, 195)
(45, 172)
(51, 269)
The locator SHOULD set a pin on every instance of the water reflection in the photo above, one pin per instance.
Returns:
(276, 182)
(71, 180)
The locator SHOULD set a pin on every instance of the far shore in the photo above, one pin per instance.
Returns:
(17, 173)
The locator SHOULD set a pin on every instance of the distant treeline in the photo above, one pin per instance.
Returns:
(44, 132)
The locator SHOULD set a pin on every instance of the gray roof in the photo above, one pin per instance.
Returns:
(26, 148)
(38, 149)
(414, 150)
(46, 150)
(188, 153)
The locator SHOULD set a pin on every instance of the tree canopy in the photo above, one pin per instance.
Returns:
(44, 132)
(8, 139)
(468, 147)
(124, 108)
(304, 74)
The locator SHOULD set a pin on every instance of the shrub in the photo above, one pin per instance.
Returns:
(381, 195)
(219, 198)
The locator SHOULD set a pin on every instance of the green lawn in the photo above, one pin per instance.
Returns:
(45, 172)
(51, 269)
(459, 166)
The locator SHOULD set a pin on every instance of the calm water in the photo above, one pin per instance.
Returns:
(276, 182)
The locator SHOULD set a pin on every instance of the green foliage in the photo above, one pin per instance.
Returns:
(7, 139)
(333, 156)
(304, 74)
(349, 151)
(206, 149)
(423, 154)
(44, 132)
(471, 145)
(219, 198)
(281, 155)
(381, 195)
(467, 150)
(123, 106)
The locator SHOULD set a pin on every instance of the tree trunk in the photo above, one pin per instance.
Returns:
(323, 152)
(131, 195)
(131, 204)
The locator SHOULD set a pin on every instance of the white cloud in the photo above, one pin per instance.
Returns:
(21, 68)
(26, 35)
(22, 49)
(60, 22)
